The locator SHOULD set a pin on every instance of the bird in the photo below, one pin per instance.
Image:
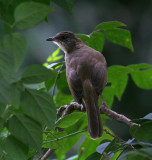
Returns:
(86, 73)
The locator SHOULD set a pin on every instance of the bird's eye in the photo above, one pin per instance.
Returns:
(64, 37)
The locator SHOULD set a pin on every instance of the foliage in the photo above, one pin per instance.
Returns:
(29, 98)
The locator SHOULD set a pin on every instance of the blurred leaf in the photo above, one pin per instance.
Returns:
(100, 149)
(1, 123)
(56, 52)
(83, 37)
(120, 36)
(140, 66)
(148, 116)
(142, 133)
(16, 44)
(36, 73)
(88, 150)
(16, 91)
(118, 76)
(66, 4)
(26, 130)
(6, 64)
(62, 81)
(94, 156)
(39, 105)
(15, 149)
(70, 119)
(4, 91)
(62, 99)
(28, 14)
(109, 25)
(96, 41)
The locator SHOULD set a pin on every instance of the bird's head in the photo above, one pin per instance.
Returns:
(66, 40)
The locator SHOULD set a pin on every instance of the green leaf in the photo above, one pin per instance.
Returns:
(88, 150)
(39, 105)
(70, 119)
(63, 98)
(28, 14)
(83, 37)
(96, 41)
(55, 53)
(36, 73)
(109, 25)
(94, 156)
(108, 95)
(118, 76)
(120, 36)
(143, 79)
(26, 130)
(4, 91)
(6, 64)
(16, 91)
(62, 81)
(141, 75)
(16, 43)
(66, 4)
(15, 149)
(142, 133)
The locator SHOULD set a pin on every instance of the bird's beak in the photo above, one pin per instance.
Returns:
(50, 39)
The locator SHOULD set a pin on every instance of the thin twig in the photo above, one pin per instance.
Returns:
(47, 154)
(69, 135)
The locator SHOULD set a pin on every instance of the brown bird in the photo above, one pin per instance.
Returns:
(86, 72)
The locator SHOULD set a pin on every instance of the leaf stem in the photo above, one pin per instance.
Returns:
(69, 135)
(56, 80)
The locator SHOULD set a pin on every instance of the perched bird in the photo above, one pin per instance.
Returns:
(86, 72)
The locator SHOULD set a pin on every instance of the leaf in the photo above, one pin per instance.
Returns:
(62, 81)
(83, 37)
(28, 14)
(36, 73)
(4, 91)
(16, 91)
(66, 4)
(26, 130)
(88, 150)
(6, 64)
(96, 41)
(142, 75)
(63, 98)
(148, 116)
(100, 149)
(120, 36)
(16, 43)
(15, 149)
(142, 133)
(143, 79)
(56, 52)
(94, 156)
(109, 25)
(39, 105)
(118, 76)
(70, 119)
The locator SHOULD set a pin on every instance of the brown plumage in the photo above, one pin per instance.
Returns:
(86, 72)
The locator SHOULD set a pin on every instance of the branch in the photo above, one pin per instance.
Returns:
(103, 110)
(47, 154)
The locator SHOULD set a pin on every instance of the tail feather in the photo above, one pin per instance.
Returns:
(95, 127)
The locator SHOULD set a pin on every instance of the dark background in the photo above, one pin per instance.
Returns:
(137, 14)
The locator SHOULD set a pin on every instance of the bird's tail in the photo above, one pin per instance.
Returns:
(95, 127)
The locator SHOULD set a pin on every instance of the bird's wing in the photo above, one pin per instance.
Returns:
(75, 85)
(99, 77)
